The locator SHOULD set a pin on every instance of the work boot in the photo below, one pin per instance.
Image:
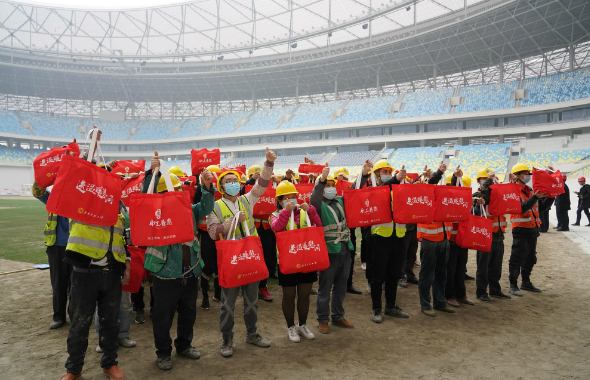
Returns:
(402, 283)
(576, 224)
(127, 342)
(412, 280)
(514, 290)
(466, 301)
(227, 348)
(468, 277)
(429, 312)
(529, 287)
(114, 373)
(313, 292)
(257, 340)
(396, 311)
(140, 316)
(343, 323)
(263, 294)
(190, 353)
(71, 376)
(453, 302)
(165, 363)
(205, 304)
(447, 309)
(324, 328)
(352, 290)
(484, 298)
(376, 317)
(56, 325)
(499, 295)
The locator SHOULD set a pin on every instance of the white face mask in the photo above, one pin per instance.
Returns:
(330, 193)
(386, 177)
(527, 178)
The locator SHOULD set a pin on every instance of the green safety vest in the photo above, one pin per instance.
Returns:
(93, 241)
(335, 231)
(50, 230)
(223, 213)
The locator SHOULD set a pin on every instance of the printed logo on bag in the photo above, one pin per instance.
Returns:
(456, 202)
(205, 160)
(160, 223)
(304, 197)
(306, 246)
(423, 200)
(511, 196)
(484, 231)
(127, 169)
(369, 209)
(50, 174)
(247, 274)
(246, 255)
(131, 190)
(99, 191)
(269, 200)
(50, 160)
(80, 210)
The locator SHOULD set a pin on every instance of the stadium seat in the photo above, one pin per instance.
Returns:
(472, 158)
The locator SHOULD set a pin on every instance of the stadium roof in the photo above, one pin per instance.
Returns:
(404, 41)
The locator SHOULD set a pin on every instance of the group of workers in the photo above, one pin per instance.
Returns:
(93, 262)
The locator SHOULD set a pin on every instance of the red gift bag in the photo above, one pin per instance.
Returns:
(550, 184)
(475, 234)
(367, 207)
(413, 203)
(504, 199)
(341, 186)
(303, 250)
(85, 192)
(311, 169)
(240, 262)
(129, 166)
(202, 158)
(46, 165)
(452, 203)
(129, 187)
(161, 219)
(266, 205)
(305, 190)
(137, 270)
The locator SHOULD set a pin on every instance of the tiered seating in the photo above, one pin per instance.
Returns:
(368, 109)
(424, 103)
(248, 161)
(487, 97)
(299, 158)
(543, 159)
(9, 123)
(18, 155)
(193, 126)
(53, 126)
(556, 88)
(415, 158)
(266, 119)
(350, 159)
(313, 114)
(225, 124)
(185, 165)
(111, 130)
(472, 158)
(155, 129)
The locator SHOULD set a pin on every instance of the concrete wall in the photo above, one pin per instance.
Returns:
(12, 177)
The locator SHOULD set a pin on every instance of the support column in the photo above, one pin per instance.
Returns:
(501, 139)
(501, 68)
(336, 89)
(434, 74)
(378, 88)
(297, 94)
(572, 57)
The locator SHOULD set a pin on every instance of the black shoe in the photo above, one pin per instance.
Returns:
(562, 229)
(190, 353)
(412, 280)
(499, 295)
(352, 290)
(528, 286)
(556, 227)
(515, 290)
(56, 325)
(205, 304)
(484, 298)
(468, 277)
(587, 225)
(396, 311)
(313, 292)
(402, 283)
(140, 316)
(165, 363)
(575, 224)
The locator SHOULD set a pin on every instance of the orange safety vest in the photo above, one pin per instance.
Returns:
(434, 231)
(265, 223)
(529, 219)
(498, 222)
(202, 224)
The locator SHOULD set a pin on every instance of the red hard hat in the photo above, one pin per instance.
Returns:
(581, 179)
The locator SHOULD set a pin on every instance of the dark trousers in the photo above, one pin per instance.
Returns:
(563, 219)
(59, 273)
(544, 216)
(269, 248)
(88, 291)
(433, 273)
(179, 294)
(489, 270)
(209, 255)
(352, 256)
(455, 287)
(387, 258)
(579, 214)
(366, 252)
(523, 258)
(138, 301)
(411, 251)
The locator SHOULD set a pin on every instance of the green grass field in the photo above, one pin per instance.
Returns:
(21, 230)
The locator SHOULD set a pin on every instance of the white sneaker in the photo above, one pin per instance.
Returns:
(364, 266)
(293, 334)
(304, 330)
(99, 350)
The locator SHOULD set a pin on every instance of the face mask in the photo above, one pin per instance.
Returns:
(482, 182)
(232, 189)
(330, 193)
(386, 177)
(527, 178)
(286, 201)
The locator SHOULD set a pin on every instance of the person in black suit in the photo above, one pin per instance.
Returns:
(562, 206)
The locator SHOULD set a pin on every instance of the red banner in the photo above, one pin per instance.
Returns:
(413, 203)
(47, 164)
(550, 184)
(129, 166)
(129, 187)
(202, 158)
(311, 169)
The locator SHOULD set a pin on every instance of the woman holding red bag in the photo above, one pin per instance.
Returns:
(295, 284)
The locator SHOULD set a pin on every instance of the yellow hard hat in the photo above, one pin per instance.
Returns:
(382, 164)
(448, 179)
(520, 167)
(466, 181)
(162, 182)
(483, 173)
(285, 188)
(328, 178)
(296, 176)
(223, 174)
(243, 178)
(254, 169)
(176, 171)
(214, 169)
(341, 171)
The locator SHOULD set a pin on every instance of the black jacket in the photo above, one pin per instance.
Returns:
(584, 197)
(562, 201)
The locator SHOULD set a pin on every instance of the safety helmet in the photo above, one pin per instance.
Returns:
(176, 171)
(483, 173)
(448, 179)
(520, 167)
(162, 182)
(254, 169)
(223, 174)
(286, 187)
(466, 181)
(382, 164)
(107, 167)
(582, 179)
(243, 178)
(341, 171)
(214, 169)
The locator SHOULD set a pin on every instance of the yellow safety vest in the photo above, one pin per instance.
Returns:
(50, 230)
(223, 213)
(386, 229)
(93, 241)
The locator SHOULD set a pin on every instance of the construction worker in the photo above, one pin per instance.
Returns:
(57, 232)
(294, 284)
(562, 206)
(525, 231)
(333, 281)
(583, 201)
(219, 223)
(489, 264)
(177, 171)
(176, 269)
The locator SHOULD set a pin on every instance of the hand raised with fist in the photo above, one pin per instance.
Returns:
(367, 167)
(270, 155)
(155, 161)
(305, 207)
(290, 206)
(325, 173)
(442, 167)
(458, 172)
(206, 178)
(401, 175)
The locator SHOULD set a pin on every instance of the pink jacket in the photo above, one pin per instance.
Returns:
(280, 224)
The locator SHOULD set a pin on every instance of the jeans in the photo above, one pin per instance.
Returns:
(387, 259)
(489, 269)
(228, 306)
(88, 291)
(433, 273)
(125, 317)
(523, 258)
(455, 287)
(333, 282)
(59, 273)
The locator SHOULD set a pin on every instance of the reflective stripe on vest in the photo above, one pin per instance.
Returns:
(529, 219)
(93, 241)
(339, 231)
(50, 230)
(223, 213)
(434, 231)
(302, 220)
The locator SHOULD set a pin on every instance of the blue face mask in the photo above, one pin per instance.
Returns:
(232, 189)
(330, 192)
(286, 201)
(385, 178)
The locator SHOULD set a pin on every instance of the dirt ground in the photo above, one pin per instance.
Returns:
(539, 336)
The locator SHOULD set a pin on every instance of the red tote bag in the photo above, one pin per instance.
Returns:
(305, 190)
(475, 234)
(85, 192)
(161, 219)
(266, 205)
(129, 187)
(341, 186)
(452, 203)
(202, 158)
(369, 206)
(413, 203)
(311, 169)
(137, 270)
(47, 164)
(505, 199)
(240, 262)
(129, 166)
(550, 184)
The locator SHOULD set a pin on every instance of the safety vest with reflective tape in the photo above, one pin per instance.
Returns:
(93, 241)
(50, 230)
(498, 222)
(202, 224)
(223, 213)
(434, 231)
(302, 223)
(386, 229)
(335, 231)
(258, 222)
(528, 219)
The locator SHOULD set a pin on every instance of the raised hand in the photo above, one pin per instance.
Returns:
(113, 163)
(427, 173)
(442, 167)
(206, 178)
(481, 201)
(401, 175)
(241, 216)
(155, 161)
(256, 175)
(325, 172)
(270, 155)
(304, 207)
(458, 172)
(290, 206)
(367, 167)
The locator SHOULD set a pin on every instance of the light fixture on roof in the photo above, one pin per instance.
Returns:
(365, 26)
(142, 63)
(330, 34)
(294, 45)
(220, 58)
(408, 8)
(183, 59)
